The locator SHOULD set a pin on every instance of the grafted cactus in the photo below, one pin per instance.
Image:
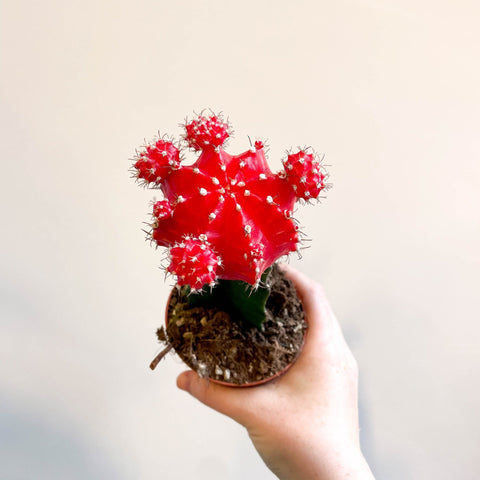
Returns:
(225, 217)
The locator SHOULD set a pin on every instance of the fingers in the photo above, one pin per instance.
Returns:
(227, 400)
(324, 337)
(314, 301)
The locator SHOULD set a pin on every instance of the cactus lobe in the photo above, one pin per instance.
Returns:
(157, 161)
(193, 262)
(304, 172)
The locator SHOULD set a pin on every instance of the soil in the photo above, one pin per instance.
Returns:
(216, 347)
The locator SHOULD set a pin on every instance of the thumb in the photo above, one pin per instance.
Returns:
(226, 400)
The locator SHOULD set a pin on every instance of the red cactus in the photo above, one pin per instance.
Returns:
(304, 173)
(227, 216)
(193, 262)
(162, 209)
(157, 161)
(204, 132)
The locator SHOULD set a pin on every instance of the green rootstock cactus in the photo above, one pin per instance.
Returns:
(226, 217)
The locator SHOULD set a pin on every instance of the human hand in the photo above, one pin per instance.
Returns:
(305, 423)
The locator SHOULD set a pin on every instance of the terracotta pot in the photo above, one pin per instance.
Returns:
(228, 384)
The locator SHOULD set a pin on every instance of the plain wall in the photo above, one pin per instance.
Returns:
(388, 90)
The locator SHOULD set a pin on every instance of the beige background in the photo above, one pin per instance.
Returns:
(389, 90)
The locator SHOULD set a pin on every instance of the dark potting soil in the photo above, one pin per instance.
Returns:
(213, 345)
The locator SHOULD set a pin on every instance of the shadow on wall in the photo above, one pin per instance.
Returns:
(31, 448)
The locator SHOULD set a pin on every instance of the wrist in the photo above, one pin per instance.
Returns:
(334, 466)
(317, 460)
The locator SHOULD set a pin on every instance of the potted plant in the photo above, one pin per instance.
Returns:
(225, 220)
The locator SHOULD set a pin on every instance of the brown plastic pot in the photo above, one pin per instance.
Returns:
(228, 384)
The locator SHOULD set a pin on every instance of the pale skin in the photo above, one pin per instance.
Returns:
(304, 425)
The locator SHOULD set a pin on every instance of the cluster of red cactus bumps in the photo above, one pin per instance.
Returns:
(226, 216)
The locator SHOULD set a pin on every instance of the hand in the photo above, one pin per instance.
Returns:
(305, 423)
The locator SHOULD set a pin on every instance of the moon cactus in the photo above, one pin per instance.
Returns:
(226, 217)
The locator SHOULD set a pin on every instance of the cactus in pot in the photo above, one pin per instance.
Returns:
(226, 218)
